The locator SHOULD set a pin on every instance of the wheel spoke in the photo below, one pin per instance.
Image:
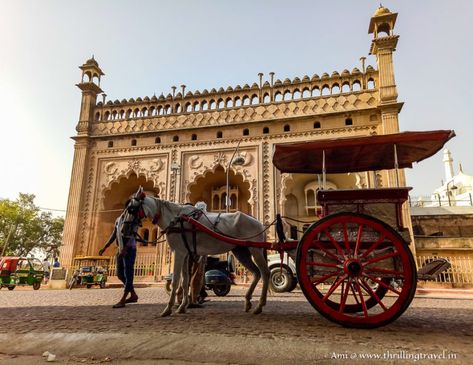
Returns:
(314, 263)
(358, 240)
(325, 277)
(335, 243)
(372, 293)
(334, 286)
(354, 293)
(385, 271)
(380, 258)
(345, 238)
(319, 246)
(343, 300)
(373, 246)
(363, 304)
(389, 287)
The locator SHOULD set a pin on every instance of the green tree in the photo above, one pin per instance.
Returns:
(25, 228)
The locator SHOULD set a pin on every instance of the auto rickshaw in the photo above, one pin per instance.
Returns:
(20, 271)
(89, 271)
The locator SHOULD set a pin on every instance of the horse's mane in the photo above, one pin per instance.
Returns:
(172, 206)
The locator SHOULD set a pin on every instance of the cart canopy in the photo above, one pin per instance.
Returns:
(356, 154)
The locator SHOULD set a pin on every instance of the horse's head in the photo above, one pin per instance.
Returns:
(134, 211)
(140, 206)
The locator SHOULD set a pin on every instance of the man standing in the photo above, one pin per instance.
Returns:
(56, 263)
(46, 269)
(125, 258)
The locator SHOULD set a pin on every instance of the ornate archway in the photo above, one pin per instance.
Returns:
(210, 187)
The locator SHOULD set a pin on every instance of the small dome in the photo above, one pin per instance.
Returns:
(315, 77)
(369, 68)
(229, 88)
(221, 90)
(381, 11)
(189, 93)
(335, 74)
(238, 87)
(99, 103)
(266, 84)
(154, 98)
(179, 95)
(161, 97)
(205, 92)
(131, 100)
(213, 91)
(124, 101)
(355, 71)
(139, 99)
(287, 81)
(255, 85)
(346, 73)
(109, 102)
(296, 80)
(278, 82)
(246, 86)
(325, 75)
(146, 98)
(169, 96)
(197, 93)
(306, 78)
(116, 102)
(91, 61)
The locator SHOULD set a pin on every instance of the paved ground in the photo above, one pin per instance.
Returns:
(79, 326)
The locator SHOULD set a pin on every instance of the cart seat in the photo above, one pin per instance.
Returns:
(382, 203)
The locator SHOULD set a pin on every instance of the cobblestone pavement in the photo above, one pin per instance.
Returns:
(79, 326)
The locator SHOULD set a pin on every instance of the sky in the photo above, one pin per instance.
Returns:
(146, 47)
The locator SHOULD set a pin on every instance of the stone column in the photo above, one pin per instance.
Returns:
(74, 203)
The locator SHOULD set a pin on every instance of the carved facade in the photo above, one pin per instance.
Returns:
(179, 146)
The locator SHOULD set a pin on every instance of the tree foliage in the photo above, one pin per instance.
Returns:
(24, 228)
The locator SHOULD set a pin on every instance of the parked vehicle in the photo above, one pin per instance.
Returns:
(20, 271)
(285, 279)
(217, 277)
(89, 271)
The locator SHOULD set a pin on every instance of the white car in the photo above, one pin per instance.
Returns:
(284, 280)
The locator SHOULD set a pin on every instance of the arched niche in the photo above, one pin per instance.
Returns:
(211, 188)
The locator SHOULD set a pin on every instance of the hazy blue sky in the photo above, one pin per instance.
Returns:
(145, 47)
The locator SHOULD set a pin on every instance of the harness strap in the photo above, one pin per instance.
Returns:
(193, 255)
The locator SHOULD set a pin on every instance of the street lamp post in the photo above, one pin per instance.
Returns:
(448, 191)
(235, 161)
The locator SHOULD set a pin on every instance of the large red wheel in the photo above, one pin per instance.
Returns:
(356, 270)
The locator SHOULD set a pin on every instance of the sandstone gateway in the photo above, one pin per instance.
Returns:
(179, 146)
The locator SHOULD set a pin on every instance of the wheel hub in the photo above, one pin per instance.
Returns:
(353, 267)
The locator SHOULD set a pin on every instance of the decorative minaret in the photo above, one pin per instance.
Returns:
(383, 45)
(91, 73)
(448, 162)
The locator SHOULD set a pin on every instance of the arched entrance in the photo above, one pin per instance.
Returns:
(152, 258)
(211, 188)
(299, 201)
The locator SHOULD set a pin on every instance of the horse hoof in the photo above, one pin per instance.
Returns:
(258, 310)
(181, 310)
(166, 313)
(247, 307)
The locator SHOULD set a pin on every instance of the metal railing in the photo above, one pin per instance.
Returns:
(426, 201)
(459, 274)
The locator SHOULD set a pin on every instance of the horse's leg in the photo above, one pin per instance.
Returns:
(176, 279)
(261, 262)
(244, 256)
(184, 285)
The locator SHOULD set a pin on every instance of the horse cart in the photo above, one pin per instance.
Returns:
(354, 265)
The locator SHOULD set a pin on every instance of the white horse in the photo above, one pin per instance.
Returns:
(165, 214)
